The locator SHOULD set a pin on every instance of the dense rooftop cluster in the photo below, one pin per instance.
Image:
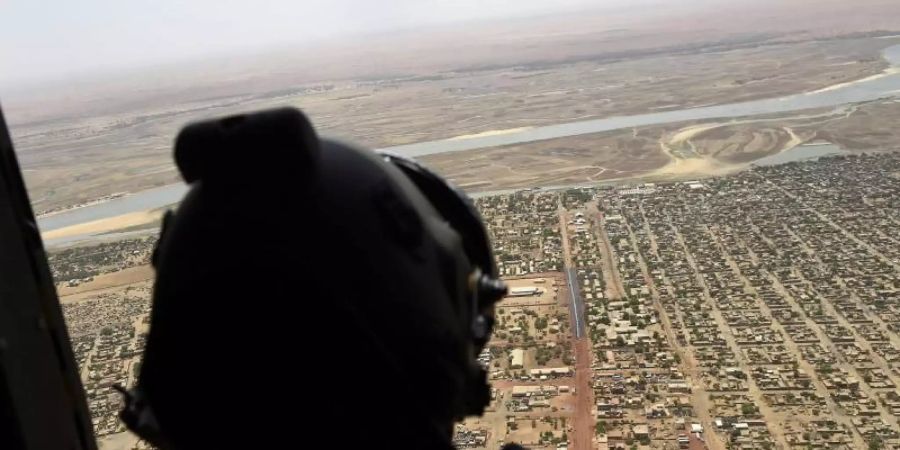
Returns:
(755, 311)
(74, 265)
(108, 333)
(524, 230)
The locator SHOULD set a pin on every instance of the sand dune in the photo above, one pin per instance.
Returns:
(105, 225)
(489, 133)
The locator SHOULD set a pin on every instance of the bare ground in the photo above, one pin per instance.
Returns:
(108, 136)
(668, 152)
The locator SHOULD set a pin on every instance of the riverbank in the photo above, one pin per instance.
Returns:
(636, 158)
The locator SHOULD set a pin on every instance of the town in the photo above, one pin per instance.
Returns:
(105, 294)
(753, 311)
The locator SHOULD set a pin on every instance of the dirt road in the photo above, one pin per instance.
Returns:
(584, 421)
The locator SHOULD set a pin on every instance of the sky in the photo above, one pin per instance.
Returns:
(53, 39)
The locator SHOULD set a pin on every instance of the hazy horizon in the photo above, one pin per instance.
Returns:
(94, 37)
(170, 53)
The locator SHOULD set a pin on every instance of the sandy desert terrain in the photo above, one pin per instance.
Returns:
(114, 134)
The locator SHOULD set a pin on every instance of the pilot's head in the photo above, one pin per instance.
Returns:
(312, 293)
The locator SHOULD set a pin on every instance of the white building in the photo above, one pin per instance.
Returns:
(524, 291)
(517, 356)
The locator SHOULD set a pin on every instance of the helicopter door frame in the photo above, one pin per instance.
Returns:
(42, 400)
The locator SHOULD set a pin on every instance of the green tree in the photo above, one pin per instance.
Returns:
(875, 443)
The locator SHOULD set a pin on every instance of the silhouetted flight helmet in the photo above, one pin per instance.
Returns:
(309, 289)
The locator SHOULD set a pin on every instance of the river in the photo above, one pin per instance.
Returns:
(883, 85)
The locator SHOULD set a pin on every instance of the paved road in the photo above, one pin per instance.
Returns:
(584, 398)
(576, 305)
